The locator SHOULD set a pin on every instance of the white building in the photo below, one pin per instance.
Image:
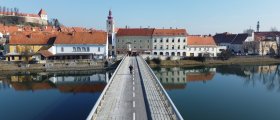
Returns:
(169, 42)
(80, 45)
(202, 46)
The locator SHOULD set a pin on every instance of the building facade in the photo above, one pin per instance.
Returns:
(169, 42)
(198, 46)
(74, 46)
(40, 18)
(134, 40)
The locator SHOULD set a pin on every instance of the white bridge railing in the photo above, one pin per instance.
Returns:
(98, 103)
(173, 109)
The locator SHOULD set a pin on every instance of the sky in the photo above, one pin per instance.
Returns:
(197, 16)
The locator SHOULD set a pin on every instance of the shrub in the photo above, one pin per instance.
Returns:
(156, 60)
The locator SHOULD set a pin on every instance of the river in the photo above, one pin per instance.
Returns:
(224, 92)
(50, 95)
(200, 93)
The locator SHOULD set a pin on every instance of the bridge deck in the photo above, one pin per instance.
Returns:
(130, 97)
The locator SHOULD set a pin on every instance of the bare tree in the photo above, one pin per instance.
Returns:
(273, 29)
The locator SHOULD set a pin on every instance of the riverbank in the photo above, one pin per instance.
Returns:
(240, 60)
(58, 66)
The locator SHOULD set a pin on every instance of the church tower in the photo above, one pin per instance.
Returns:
(111, 35)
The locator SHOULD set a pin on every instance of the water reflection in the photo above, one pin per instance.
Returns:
(75, 81)
(177, 78)
(50, 95)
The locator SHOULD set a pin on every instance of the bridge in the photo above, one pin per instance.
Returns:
(136, 96)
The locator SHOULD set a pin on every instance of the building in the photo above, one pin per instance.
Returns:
(234, 42)
(40, 18)
(202, 46)
(111, 35)
(77, 45)
(134, 40)
(22, 45)
(264, 43)
(169, 42)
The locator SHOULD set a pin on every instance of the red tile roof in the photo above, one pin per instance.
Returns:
(170, 32)
(135, 31)
(192, 77)
(33, 38)
(263, 35)
(200, 41)
(42, 12)
(95, 37)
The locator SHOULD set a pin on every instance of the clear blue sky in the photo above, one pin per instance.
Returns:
(197, 16)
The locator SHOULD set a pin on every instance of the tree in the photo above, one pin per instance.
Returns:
(225, 54)
(273, 29)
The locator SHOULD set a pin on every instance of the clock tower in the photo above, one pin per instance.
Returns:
(111, 35)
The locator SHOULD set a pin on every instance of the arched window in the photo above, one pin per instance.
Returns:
(83, 49)
(79, 49)
(74, 49)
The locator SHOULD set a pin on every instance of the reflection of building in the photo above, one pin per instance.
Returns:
(193, 77)
(64, 83)
(177, 78)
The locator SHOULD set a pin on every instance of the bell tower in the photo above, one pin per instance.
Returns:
(111, 35)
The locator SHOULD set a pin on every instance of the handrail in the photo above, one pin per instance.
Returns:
(98, 102)
(174, 108)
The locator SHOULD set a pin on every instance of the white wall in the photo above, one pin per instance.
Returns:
(56, 49)
(162, 46)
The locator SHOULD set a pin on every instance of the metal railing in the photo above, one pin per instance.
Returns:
(170, 103)
(99, 101)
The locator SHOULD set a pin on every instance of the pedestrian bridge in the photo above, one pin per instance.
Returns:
(136, 96)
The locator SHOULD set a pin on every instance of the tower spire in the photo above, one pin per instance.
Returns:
(258, 26)
(110, 14)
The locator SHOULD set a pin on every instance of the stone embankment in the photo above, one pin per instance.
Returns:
(53, 66)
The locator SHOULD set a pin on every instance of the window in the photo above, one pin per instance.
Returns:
(62, 49)
(155, 40)
(179, 47)
(173, 40)
(113, 47)
(79, 49)
(178, 40)
(98, 49)
(19, 58)
(155, 47)
(161, 40)
(161, 47)
(88, 48)
(184, 47)
(140, 41)
(172, 47)
(167, 40)
(13, 57)
(74, 49)
(184, 40)
(134, 41)
(83, 49)
(166, 46)
(148, 47)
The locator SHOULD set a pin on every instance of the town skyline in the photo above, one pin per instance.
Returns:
(216, 16)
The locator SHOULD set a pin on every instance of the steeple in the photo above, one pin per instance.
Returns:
(258, 26)
(110, 14)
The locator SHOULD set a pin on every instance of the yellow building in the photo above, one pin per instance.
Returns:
(22, 46)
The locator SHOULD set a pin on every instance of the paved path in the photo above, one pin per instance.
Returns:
(124, 99)
(136, 96)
